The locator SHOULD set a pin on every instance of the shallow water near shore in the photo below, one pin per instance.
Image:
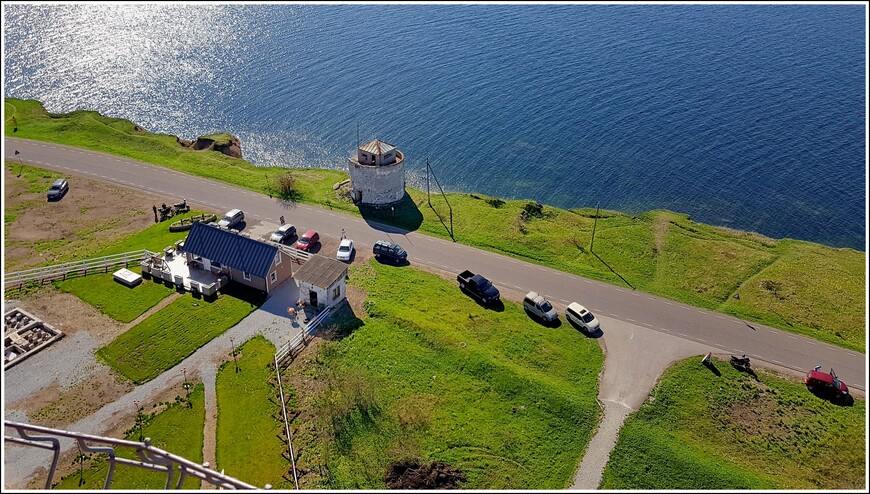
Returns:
(747, 116)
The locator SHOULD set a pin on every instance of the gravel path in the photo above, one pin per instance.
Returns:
(635, 357)
(270, 320)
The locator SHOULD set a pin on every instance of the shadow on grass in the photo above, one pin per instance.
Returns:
(613, 270)
(831, 396)
(594, 334)
(391, 262)
(715, 370)
(497, 306)
(402, 217)
(556, 323)
(341, 324)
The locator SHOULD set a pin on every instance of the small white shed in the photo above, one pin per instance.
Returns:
(321, 281)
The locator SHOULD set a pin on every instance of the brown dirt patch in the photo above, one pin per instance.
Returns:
(54, 408)
(660, 229)
(412, 475)
(69, 314)
(92, 213)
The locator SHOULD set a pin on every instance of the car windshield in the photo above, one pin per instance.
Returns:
(304, 240)
(546, 307)
(228, 217)
(57, 187)
(587, 317)
(344, 248)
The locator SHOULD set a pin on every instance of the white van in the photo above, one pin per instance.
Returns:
(540, 307)
(581, 317)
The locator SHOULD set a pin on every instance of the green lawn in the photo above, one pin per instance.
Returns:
(113, 299)
(430, 374)
(170, 335)
(178, 430)
(700, 431)
(659, 252)
(248, 444)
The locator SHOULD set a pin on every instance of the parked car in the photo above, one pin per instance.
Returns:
(577, 314)
(540, 307)
(283, 234)
(58, 189)
(826, 383)
(232, 218)
(478, 287)
(308, 240)
(345, 249)
(390, 251)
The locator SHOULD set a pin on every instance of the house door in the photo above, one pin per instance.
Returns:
(313, 296)
(206, 264)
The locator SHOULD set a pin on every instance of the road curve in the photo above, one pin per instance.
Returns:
(729, 334)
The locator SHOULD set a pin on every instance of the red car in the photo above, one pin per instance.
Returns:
(824, 382)
(307, 240)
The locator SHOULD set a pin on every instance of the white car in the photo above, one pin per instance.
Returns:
(345, 249)
(581, 317)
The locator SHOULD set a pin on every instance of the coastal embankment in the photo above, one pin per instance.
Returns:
(797, 286)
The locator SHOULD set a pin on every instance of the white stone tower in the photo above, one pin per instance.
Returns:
(377, 174)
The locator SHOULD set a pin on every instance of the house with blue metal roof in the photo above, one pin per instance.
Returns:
(247, 261)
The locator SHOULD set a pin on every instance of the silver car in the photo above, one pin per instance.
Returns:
(232, 218)
(540, 307)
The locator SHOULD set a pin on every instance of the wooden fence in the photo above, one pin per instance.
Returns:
(45, 274)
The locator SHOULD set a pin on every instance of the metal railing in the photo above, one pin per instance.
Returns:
(74, 268)
(150, 457)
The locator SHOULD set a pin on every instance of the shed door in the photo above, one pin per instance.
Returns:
(313, 295)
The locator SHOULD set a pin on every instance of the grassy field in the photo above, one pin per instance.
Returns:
(113, 299)
(170, 335)
(177, 429)
(659, 252)
(700, 431)
(429, 374)
(249, 447)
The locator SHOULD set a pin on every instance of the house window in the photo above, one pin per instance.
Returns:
(273, 277)
(336, 292)
(246, 275)
(278, 258)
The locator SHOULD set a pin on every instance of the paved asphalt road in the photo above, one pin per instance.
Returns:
(729, 334)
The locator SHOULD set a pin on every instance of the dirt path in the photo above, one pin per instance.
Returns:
(208, 375)
(635, 357)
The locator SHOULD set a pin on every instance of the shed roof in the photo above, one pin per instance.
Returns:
(230, 249)
(377, 146)
(321, 271)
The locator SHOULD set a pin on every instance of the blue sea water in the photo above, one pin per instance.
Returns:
(747, 116)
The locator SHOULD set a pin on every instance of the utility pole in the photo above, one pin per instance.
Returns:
(428, 198)
(593, 226)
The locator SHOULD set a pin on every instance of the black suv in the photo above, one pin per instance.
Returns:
(58, 189)
(390, 251)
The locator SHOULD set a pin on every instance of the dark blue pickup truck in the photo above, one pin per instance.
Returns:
(478, 287)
